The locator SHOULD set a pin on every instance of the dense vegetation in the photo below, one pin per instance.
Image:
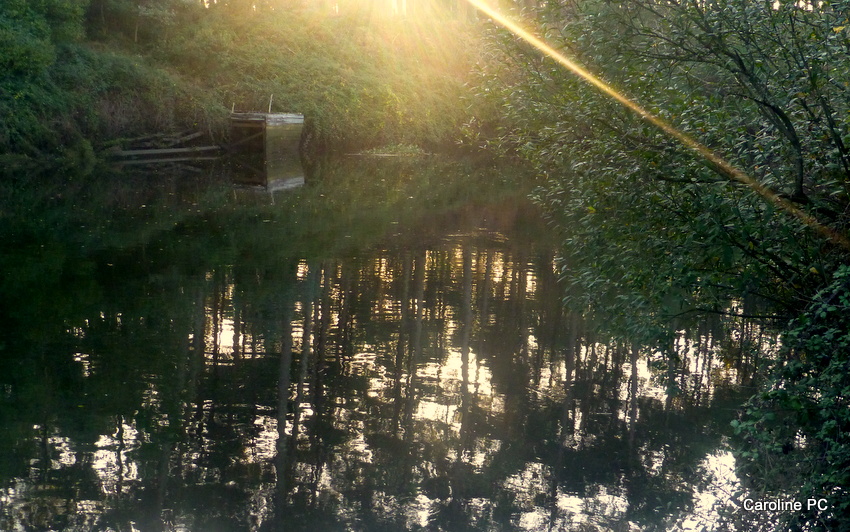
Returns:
(77, 74)
(796, 442)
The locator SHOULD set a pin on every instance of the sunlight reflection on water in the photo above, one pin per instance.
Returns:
(415, 382)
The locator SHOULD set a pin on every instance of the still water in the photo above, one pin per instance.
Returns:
(382, 349)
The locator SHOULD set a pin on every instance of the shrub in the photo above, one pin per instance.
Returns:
(797, 431)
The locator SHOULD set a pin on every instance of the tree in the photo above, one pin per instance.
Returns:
(647, 223)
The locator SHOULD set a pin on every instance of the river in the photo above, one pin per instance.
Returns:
(384, 348)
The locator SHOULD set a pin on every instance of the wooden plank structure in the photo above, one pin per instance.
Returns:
(265, 146)
(276, 137)
(265, 131)
(163, 148)
(166, 151)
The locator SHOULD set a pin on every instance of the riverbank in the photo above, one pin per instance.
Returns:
(363, 80)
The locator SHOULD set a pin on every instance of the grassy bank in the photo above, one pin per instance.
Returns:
(362, 80)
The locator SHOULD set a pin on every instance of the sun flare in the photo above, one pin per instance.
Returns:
(703, 151)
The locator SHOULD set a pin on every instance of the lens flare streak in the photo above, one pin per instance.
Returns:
(718, 162)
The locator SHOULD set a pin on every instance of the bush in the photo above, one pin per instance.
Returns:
(797, 431)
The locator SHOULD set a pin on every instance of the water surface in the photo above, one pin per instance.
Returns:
(382, 349)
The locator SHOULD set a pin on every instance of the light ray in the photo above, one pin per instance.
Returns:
(704, 151)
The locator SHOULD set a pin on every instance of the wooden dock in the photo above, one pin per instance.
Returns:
(263, 120)
(276, 137)
(264, 132)
(267, 143)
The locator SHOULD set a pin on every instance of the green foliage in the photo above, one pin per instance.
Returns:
(25, 50)
(29, 31)
(139, 22)
(165, 65)
(396, 150)
(796, 434)
(360, 83)
(95, 94)
(651, 231)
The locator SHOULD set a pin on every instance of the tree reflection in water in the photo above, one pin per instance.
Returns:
(431, 381)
